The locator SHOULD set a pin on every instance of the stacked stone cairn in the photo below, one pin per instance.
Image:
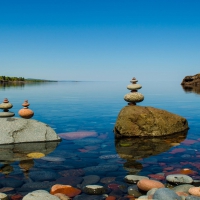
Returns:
(25, 112)
(133, 97)
(6, 106)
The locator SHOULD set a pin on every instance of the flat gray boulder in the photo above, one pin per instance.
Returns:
(19, 130)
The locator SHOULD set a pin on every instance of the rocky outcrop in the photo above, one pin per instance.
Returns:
(18, 130)
(139, 121)
(191, 81)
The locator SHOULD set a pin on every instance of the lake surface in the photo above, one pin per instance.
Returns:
(94, 106)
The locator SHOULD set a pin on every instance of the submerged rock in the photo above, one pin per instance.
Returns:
(148, 121)
(17, 130)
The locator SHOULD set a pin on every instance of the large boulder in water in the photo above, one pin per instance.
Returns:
(139, 121)
(18, 130)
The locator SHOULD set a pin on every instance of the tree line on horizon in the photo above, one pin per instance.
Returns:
(12, 79)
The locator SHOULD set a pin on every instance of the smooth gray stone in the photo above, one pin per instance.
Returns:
(133, 190)
(165, 194)
(134, 97)
(192, 198)
(94, 189)
(179, 178)
(7, 114)
(40, 195)
(19, 130)
(134, 178)
(134, 86)
(182, 188)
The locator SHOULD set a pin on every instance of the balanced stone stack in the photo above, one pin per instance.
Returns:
(6, 106)
(25, 112)
(133, 97)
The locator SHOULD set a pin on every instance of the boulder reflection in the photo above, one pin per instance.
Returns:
(17, 152)
(135, 148)
(189, 89)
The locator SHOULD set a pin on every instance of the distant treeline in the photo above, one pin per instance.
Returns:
(21, 79)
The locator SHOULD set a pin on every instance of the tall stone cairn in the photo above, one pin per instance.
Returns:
(6, 105)
(133, 97)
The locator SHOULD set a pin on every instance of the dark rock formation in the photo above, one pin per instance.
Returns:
(148, 121)
(191, 81)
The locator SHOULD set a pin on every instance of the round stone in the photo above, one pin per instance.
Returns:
(6, 105)
(179, 178)
(194, 191)
(165, 193)
(134, 97)
(7, 114)
(133, 190)
(94, 189)
(146, 184)
(25, 104)
(134, 80)
(134, 178)
(134, 86)
(26, 113)
(3, 196)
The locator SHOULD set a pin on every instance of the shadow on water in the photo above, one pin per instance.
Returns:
(191, 89)
(133, 149)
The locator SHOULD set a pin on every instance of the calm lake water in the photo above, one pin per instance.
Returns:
(94, 106)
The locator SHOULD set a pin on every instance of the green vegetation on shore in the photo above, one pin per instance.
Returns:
(21, 79)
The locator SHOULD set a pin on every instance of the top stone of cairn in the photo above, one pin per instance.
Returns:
(133, 97)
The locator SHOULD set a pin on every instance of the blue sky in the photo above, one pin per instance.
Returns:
(100, 39)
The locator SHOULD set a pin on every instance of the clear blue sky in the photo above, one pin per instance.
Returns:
(100, 39)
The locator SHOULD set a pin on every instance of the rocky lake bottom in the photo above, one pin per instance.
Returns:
(98, 159)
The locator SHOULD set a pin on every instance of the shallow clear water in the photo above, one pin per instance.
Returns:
(94, 106)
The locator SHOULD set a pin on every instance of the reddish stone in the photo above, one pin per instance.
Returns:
(6, 189)
(162, 164)
(83, 150)
(157, 176)
(177, 150)
(168, 168)
(113, 186)
(110, 198)
(77, 135)
(182, 194)
(146, 184)
(187, 171)
(189, 142)
(26, 113)
(16, 197)
(130, 197)
(194, 191)
(65, 189)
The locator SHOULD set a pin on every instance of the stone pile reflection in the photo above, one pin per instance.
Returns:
(136, 148)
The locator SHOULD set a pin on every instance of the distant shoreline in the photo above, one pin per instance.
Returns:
(8, 79)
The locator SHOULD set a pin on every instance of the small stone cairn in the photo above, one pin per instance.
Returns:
(133, 97)
(6, 106)
(25, 112)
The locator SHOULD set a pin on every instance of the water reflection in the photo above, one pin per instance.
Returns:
(189, 89)
(18, 152)
(7, 85)
(133, 149)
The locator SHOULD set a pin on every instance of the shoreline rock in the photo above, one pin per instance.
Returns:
(191, 81)
(18, 130)
(140, 121)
